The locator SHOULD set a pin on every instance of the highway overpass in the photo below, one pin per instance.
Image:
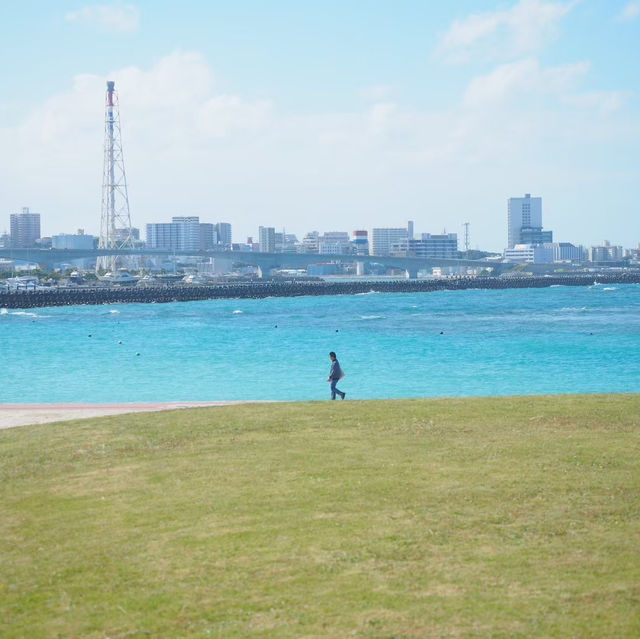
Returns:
(264, 261)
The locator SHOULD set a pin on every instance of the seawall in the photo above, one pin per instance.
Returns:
(292, 288)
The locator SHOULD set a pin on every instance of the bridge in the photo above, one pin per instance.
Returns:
(263, 261)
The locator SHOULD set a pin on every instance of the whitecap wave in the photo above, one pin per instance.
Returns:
(113, 311)
(4, 311)
(24, 314)
(371, 317)
(371, 292)
(238, 312)
(610, 288)
(573, 309)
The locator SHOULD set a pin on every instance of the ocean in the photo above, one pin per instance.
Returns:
(438, 344)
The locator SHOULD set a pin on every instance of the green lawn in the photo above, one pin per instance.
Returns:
(509, 517)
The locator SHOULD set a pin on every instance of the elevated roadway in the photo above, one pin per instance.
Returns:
(264, 261)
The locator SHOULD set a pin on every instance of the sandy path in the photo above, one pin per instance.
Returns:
(24, 414)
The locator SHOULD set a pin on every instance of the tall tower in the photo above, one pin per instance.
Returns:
(522, 213)
(115, 221)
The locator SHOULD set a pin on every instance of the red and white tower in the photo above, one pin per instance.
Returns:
(115, 223)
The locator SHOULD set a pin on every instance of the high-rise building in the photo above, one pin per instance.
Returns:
(190, 232)
(267, 239)
(522, 213)
(383, 241)
(25, 228)
(163, 235)
(223, 229)
(208, 236)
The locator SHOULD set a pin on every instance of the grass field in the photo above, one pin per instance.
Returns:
(509, 517)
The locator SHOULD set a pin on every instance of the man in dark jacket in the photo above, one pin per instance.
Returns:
(335, 374)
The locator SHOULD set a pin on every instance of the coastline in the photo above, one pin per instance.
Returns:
(14, 415)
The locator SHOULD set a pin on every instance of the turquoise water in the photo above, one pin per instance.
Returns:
(449, 343)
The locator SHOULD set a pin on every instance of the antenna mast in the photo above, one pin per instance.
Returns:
(466, 237)
(115, 222)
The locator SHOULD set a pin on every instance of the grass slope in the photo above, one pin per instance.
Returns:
(509, 517)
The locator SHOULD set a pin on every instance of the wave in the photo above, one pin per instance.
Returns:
(371, 292)
(610, 288)
(371, 317)
(573, 309)
(25, 314)
(4, 311)
(238, 312)
(114, 311)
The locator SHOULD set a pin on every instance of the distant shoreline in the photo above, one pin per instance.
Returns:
(290, 288)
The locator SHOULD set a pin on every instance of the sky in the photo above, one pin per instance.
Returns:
(328, 116)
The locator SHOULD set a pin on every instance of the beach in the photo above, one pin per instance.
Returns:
(12, 415)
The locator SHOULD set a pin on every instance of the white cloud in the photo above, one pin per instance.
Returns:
(124, 18)
(522, 29)
(605, 102)
(524, 79)
(630, 12)
(376, 92)
(189, 148)
(224, 115)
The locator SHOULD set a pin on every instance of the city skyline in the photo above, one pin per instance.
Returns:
(329, 118)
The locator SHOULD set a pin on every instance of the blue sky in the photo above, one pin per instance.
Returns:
(329, 116)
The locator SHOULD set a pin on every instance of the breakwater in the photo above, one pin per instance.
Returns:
(287, 288)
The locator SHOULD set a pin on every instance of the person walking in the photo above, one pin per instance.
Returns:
(335, 374)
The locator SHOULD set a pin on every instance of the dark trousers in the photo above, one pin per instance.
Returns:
(334, 390)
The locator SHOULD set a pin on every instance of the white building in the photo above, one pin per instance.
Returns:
(310, 242)
(183, 233)
(334, 243)
(225, 239)
(567, 252)
(522, 213)
(443, 246)
(267, 239)
(68, 241)
(189, 232)
(163, 235)
(25, 228)
(605, 253)
(530, 254)
(384, 241)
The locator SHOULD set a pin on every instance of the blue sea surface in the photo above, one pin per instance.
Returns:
(448, 343)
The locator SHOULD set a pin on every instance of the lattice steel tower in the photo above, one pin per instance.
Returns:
(115, 223)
